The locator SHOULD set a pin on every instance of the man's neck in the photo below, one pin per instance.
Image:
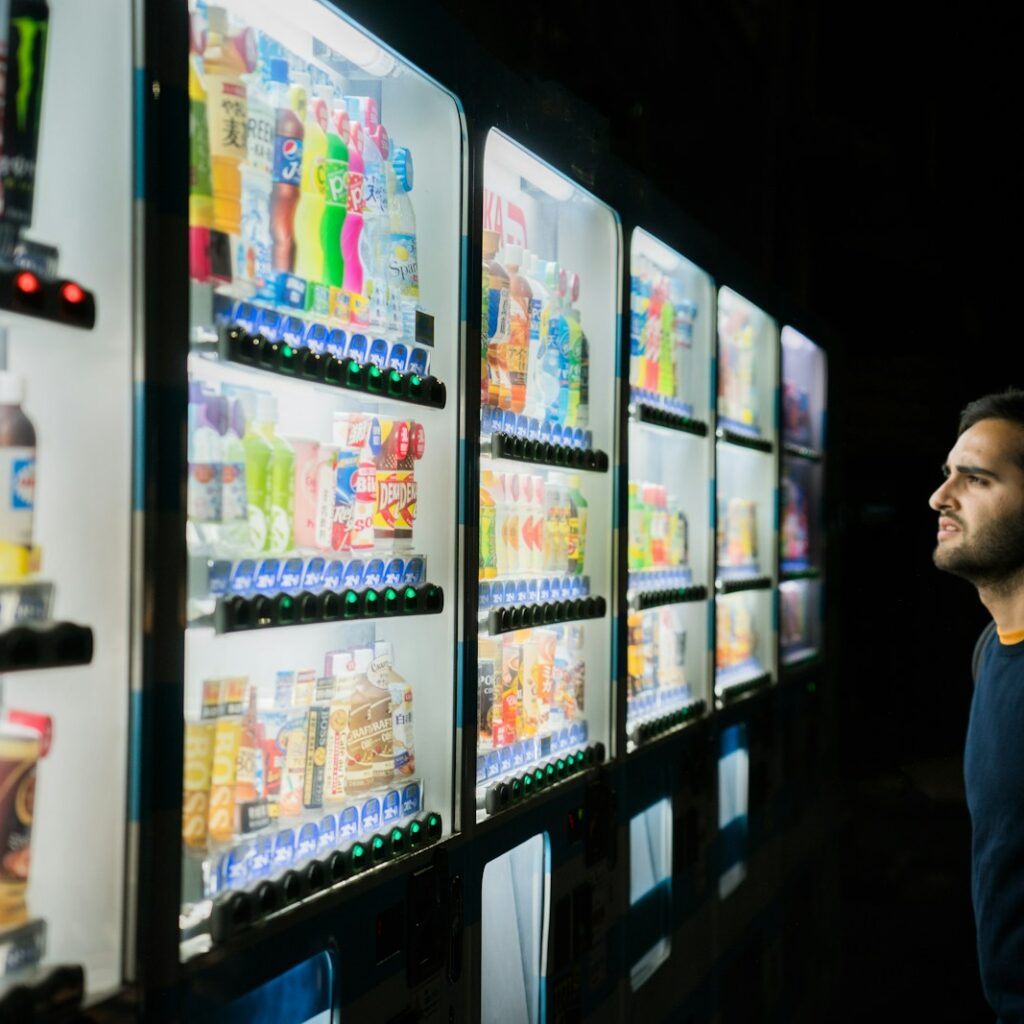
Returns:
(1005, 603)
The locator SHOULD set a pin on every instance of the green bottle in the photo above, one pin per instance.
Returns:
(280, 480)
(335, 197)
(257, 461)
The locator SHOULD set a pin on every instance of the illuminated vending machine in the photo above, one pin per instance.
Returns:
(65, 503)
(549, 384)
(806, 705)
(670, 546)
(325, 229)
(746, 922)
(668, 623)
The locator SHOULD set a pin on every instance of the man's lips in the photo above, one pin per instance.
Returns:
(948, 528)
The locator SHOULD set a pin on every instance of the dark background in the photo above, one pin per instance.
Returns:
(862, 159)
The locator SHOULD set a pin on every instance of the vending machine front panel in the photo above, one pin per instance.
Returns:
(325, 234)
(671, 467)
(650, 891)
(548, 436)
(746, 481)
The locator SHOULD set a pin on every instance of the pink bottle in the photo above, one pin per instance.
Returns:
(353, 226)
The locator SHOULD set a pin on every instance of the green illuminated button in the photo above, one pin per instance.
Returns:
(561, 768)
(286, 610)
(390, 601)
(396, 382)
(528, 784)
(549, 771)
(374, 379)
(378, 849)
(415, 385)
(357, 857)
(570, 763)
(350, 604)
(516, 786)
(538, 778)
(353, 374)
(288, 361)
(415, 833)
(434, 825)
(396, 840)
(371, 602)
(410, 600)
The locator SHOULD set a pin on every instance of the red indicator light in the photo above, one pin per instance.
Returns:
(72, 293)
(27, 283)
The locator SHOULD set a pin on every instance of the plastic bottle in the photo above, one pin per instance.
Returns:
(499, 389)
(309, 253)
(200, 190)
(540, 315)
(403, 259)
(280, 476)
(335, 198)
(537, 517)
(355, 205)
(577, 526)
(235, 505)
(254, 254)
(635, 541)
(374, 241)
(488, 511)
(501, 549)
(225, 59)
(205, 458)
(521, 297)
(257, 451)
(555, 368)
(17, 464)
(288, 103)
(511, 536)
(573, 355)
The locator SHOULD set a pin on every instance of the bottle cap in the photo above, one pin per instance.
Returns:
(12, 388)
(217, 19)
(379, 134)
(278, 69)
(402, 161)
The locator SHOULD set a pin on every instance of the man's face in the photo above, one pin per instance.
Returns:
(981, 505)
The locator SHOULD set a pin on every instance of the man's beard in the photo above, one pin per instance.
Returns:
(993, 557)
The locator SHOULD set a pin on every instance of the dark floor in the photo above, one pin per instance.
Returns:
(907, 924)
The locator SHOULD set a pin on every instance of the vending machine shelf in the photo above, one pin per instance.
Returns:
(510, 618)
(799, 451)
(544, 453)
(651, 729)
(39, 645)
(655, 416)
(233, 912)
(673, 595)
(299, 362)
(741, 440)
(514, 789)
(736, 584)
(266, 611)
(801, 659)
(65, 302)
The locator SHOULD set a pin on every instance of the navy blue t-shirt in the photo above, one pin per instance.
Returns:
(994, 774)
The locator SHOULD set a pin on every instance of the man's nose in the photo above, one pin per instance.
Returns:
(943, 496)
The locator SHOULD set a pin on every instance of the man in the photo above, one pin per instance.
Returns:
(981, 538)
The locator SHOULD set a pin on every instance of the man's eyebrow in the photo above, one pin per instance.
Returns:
(970, 471)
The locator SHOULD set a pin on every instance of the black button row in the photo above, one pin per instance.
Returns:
(303, 363)
(562, 456)
(801, 452)
(745, 583)
(673, 595)
(672, 420)
(235, 911)
(65, 302)
(658, 726)
(45, 645)
(265, 611)
(758, 444)
(526, 616)
(733, 692)
(500, 795)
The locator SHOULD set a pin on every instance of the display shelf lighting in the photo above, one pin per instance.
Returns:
(513, 157)
(645, 244)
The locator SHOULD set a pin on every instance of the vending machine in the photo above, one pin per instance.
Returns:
(747, 921)
(746, 476)
(808, 727)
(548, 436)
(322, 481)
(670, 490)
(66, 472)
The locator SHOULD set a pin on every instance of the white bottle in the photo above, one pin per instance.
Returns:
(206, 461)
(17, 463)
(403, 262)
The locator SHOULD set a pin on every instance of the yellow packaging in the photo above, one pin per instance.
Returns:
(198, 774)
(226, 742)
(337, 752)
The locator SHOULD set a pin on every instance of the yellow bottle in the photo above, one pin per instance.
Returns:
(309, 252)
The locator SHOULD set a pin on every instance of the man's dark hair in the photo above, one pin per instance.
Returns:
(1006, 405)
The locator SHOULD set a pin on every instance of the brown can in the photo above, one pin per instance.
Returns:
(19, 752)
